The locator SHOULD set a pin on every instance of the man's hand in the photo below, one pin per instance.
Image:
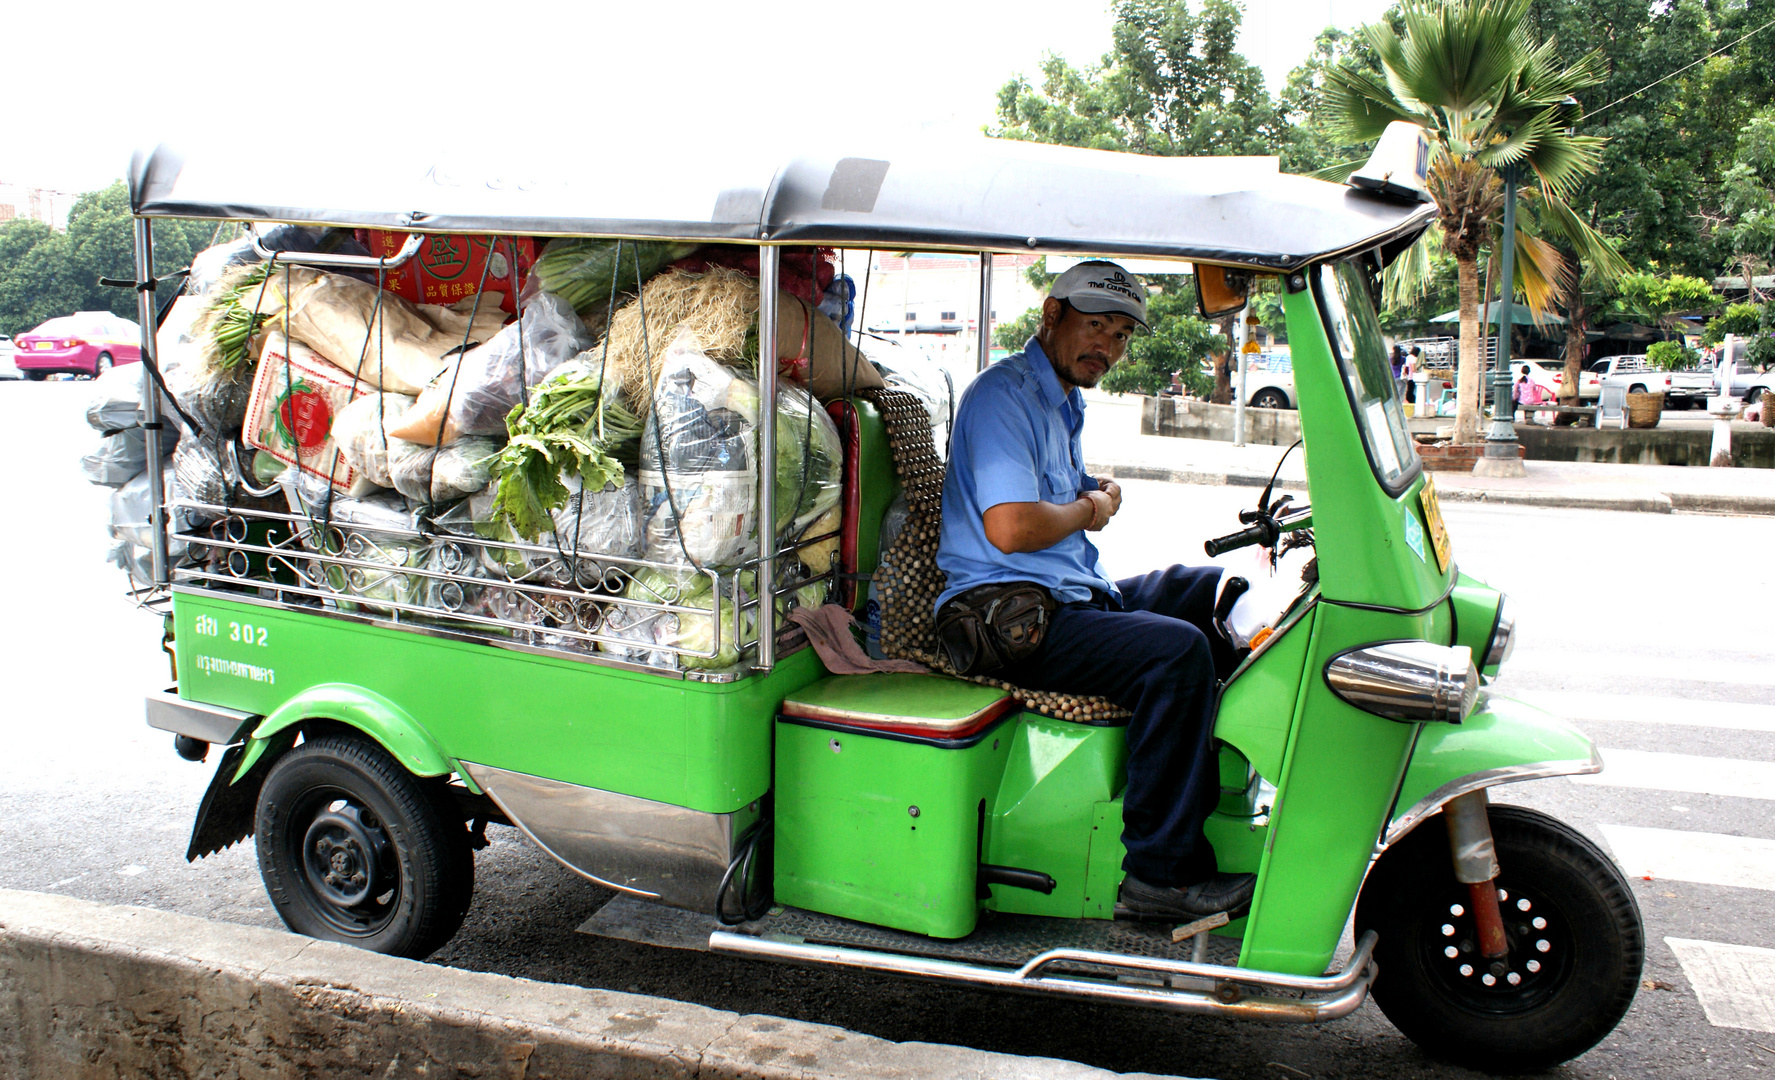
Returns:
(1103, 507)
(1114, 491)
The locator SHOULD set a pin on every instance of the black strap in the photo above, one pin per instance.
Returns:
(151, 285)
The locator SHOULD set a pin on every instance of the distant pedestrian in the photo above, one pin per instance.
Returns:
(1414, 363)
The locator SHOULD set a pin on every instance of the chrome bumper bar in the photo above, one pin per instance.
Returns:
(212, 723)
(1174, 985)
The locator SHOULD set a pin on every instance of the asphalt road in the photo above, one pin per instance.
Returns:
(1653, 631)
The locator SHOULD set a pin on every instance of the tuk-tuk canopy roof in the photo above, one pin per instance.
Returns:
(970, 195)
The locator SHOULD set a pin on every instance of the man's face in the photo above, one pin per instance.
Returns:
(1081, 346)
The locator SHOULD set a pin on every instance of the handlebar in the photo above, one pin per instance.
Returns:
(1261, 533)
(1267, 530)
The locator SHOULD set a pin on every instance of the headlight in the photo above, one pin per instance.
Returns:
(1503, 636)
(1409, 681)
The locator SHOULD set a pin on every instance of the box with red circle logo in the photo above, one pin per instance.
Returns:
(448, 267)
(296, 395)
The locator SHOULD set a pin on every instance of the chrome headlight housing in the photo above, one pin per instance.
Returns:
(1408, 681)
(1503, 636)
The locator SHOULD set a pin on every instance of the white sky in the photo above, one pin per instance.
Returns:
(275, 78)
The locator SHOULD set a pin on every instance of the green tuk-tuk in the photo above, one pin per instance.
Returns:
(916, 825)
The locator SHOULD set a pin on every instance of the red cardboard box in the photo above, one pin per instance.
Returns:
(448, 266)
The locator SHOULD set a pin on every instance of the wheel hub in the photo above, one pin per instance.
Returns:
(1540, 952)
(345, 854)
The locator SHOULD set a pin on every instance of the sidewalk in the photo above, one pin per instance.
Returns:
(1115, 447)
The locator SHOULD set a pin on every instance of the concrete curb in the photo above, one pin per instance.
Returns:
(1645, 502)
(1132, 471)
(90, 989)
(1640, 500)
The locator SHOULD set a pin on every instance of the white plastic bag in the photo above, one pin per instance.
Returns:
(361, 430)
(698, 483)
(442, 474)
(487, 381)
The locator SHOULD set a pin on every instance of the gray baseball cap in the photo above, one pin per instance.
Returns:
(1100, 287)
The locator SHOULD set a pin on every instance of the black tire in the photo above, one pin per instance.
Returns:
(1755, 394)
(354, 848)
(1579, 970)
(36, 376)
(1269, 398)
(1636, 389)
(101, 365)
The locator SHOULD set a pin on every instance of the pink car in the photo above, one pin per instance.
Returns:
(84, 343)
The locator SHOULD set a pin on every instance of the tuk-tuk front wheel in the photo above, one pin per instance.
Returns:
(354, 848)
(1575, 936)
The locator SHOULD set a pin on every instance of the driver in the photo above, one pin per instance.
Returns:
(1017, 505)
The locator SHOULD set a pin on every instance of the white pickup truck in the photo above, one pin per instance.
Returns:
(1681, 389)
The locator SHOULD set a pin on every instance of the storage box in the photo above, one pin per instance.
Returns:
(296, 394)
(883, 783)
(447, 267)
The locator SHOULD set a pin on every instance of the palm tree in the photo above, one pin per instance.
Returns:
(1489, 99)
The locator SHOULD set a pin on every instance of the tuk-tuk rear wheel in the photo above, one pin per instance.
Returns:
(1576, 946)
(353, 848)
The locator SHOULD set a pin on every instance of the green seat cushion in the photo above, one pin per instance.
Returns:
(925, 704)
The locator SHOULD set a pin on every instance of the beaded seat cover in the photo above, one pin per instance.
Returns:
(907, 580)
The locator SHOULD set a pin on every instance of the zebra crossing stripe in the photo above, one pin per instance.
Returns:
(1624, 668)
(1732, 777)
(1681, 712)
(1743, 862)
(1736, 983)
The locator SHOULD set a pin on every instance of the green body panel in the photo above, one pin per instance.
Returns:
(1103, 872)
(1476, 609)
(896, 695)
(878, 487)
(1257, 708)
(1339, 776)
(366, 710)
(1500, 732)
(1057, 775)
(1234, 831)
(849, 843)
(705, 746)
(1359, 529)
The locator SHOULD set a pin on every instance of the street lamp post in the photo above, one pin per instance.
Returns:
(1502, 456)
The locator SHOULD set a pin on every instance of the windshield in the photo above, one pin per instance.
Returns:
(1362, 359)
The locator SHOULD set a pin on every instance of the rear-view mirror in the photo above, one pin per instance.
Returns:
(1219, 291)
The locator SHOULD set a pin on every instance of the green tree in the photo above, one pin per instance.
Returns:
(1665, 296)
(1178, 343)
(1649, 195)
(1173, 83)
(1748, 203)
(45, 274)
(1671, 355)
(1467, 73)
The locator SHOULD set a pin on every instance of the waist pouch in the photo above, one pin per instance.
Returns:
(992, 626)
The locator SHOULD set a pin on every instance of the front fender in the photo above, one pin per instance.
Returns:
(1501, 742)
(365, 710)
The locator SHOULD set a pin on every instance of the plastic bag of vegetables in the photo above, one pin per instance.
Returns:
(576, 429)
(677, 636)
(698, 462)
(473, 395)
(361, 430)
(441, 474)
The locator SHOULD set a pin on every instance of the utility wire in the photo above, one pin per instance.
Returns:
(1680, 70)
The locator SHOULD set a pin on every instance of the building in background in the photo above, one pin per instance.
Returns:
(931, 301)
(39, 204)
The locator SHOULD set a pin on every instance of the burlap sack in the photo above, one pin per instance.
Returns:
(397, 347)
(821, 358)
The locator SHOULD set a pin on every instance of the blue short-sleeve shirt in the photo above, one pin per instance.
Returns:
(1016, 439)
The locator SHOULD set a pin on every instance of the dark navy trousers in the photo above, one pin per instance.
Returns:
(1157, 655)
